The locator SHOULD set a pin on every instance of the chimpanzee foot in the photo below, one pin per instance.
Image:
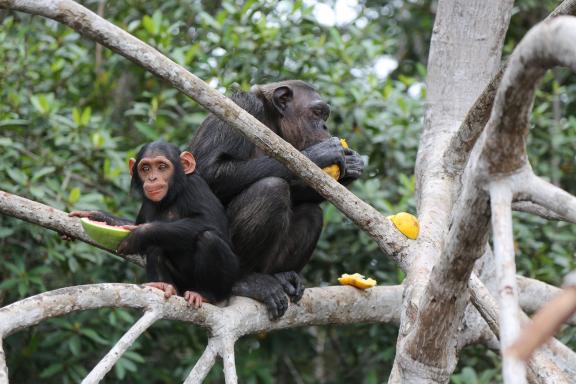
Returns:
(194, 299)
(168, 289)
(292, 284)
(265, 289)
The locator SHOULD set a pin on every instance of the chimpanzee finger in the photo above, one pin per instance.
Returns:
(281, 304)
(169, 291)
(299, 291)
(287, 282)
(292, 284)
(194, 299)
(272, 308)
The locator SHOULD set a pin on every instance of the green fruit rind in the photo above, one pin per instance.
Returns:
(106, 235)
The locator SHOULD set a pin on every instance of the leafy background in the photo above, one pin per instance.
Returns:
(71, 114)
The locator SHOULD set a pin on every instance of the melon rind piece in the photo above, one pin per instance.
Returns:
(106, 235)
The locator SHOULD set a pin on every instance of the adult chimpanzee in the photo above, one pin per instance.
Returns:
(275, 219)
(181, 227)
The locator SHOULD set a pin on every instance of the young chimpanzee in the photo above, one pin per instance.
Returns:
(275, 219)
(181, 228)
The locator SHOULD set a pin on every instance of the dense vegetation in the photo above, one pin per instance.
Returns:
(71, 114)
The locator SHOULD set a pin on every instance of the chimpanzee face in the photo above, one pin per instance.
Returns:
(303, 116)
(156, 175)
(159, 169)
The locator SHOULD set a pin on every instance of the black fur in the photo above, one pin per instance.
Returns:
(275, 219)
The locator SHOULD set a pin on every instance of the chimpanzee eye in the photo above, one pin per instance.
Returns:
(162, 166)
(145, 168)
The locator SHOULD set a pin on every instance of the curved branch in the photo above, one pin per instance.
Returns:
(327, 305)
(544, 324)
(548, 44)
(461, 144)
(534, 294)
(547, 197)
(542, 368)
(108, 361)
(204, 364)
(535, 209)
(94, 27)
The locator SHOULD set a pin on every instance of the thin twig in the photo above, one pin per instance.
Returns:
(108, 361)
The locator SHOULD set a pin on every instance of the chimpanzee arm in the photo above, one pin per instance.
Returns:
(240, 173)
(216, 267)
(173, 235)
(353, 168)
(101, 216)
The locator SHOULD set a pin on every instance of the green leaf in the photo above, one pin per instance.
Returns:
(86, 115)
(74, 345)
(51, 370)
(76, 116)
(74, 196)
(5, 232)
(94, 336)
(148, 24)
(42, 172)
(147, 131)
(17, 175)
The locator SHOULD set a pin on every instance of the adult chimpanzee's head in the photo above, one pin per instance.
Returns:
(298, 112)
(159, 169)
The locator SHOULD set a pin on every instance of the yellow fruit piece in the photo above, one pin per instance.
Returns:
(334, 170)
(407, 224)
(357, 280)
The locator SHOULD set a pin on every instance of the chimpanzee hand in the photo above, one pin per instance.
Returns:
(292, 284)
(326, 153)
(354, 165)
(92, 215)
(134, 242)
(100, 216)
(265, 289)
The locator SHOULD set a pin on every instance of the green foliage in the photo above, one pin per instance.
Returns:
(72, 114)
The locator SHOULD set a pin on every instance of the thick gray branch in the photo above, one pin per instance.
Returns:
(51, 218)
(547, 197)
(461, 144)
(328, 305)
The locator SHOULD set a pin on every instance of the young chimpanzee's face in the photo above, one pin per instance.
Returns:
(156, 173)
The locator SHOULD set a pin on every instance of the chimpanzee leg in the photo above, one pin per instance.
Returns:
(259, 220)
(299, 244)
(272, 237)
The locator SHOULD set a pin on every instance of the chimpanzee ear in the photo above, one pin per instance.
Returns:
(281, 97)
(131, 163)
(188, 162)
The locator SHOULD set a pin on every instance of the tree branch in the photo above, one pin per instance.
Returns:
(329, 305)
(108, 361)
(544, 325)
(204, 364)
(51, 218)
(501, 206)
(547, 197)
(461, 144)
(534, 294)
